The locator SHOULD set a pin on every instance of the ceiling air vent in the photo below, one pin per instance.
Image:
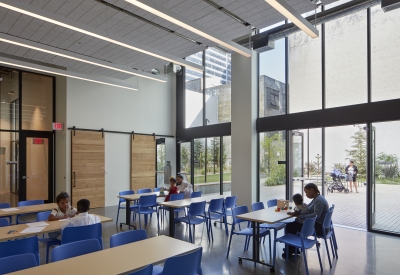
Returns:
(389, 5)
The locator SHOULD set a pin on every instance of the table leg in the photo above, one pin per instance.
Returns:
(127, 215)
(171, 222)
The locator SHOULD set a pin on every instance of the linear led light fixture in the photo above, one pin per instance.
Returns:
(43, 69)
(286, 10)
(105, 36)
(62, 53)
(181, 21)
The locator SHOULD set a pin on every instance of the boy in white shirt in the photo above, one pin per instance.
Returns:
(184, 186)
(82, 217)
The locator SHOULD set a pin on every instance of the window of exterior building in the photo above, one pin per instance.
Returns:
(194, 94)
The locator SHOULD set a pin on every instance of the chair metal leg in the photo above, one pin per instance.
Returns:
(229, 246)
(117, 215)
(305, 260)
(269, 243)
(226, 225)
(190, 234)
(327, 252)
(47, 253)
(194, 236)
(140, 222)
(319, 258)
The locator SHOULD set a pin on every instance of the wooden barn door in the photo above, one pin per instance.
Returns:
(143, 162)
(88, 161)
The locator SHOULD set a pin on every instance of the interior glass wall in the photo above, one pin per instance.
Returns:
(9, 99)
(385, 60)
(185, 160)
(212, 167)
(346, 60)
(199, 159)
(272, 173)
(387, 177)
(160, 163)
(227, 164)
(194, 94)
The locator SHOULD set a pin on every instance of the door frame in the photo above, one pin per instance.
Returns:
(23, 135)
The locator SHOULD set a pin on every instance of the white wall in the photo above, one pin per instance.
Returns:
(96, 106)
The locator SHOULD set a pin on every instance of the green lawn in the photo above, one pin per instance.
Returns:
(211, 178)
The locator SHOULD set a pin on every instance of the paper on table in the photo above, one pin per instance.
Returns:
(9, 209)
(37, 224)
(32, 230)
(63, 220)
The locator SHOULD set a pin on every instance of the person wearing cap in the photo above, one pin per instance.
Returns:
(184, 186)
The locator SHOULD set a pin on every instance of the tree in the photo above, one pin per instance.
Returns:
(317, 165)
(199, 156)
(386, 165)
(185, 157)
(160, 157)
(273, 149)
(213, 157)
(359, 152)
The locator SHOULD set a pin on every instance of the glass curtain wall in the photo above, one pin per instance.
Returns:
(185, 160)
(160, 163)
(194, 94)
(226, 164)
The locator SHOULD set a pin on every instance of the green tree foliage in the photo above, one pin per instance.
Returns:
(358, 153)
(387, 166)
(199, 155)
(273, 149)
(160, 157)
(213, 154)
(185, 157)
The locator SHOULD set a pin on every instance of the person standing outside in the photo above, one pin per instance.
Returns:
(351, 171)
(184, 186)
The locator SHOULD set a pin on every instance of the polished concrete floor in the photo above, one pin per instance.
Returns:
(359, 252)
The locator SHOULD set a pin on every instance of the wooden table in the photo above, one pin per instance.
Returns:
(53, 226)
(122, 259)
(135, 197)
(184, 203)
(28, 209)
(256, 218)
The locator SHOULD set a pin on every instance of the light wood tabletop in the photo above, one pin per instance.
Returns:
(136, 197)
(187, 202)
(267, 215)
(53, 226)
(28, 209)
(118, 260)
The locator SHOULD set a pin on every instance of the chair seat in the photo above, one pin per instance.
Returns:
(215, 216)
(193, 220)
(144, 210)
(276, 226)
(228, 212)
(295, 240)
(249, 232)
(175, 209)
(157, 270)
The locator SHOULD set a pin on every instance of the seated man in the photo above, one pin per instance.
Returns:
(82, 216)
(184, 186)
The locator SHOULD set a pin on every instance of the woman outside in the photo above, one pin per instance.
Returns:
(318, 207)
(351, 171)
(172, 188)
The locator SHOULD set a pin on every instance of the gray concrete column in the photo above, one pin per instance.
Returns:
(243, 128)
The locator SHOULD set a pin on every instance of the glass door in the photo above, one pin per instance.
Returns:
(297, 165)
(36, 166)
(185, 160)
(372, 178)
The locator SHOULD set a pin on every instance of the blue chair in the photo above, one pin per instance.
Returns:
(327, 233)
(44, 216)
(196, 215)
(148, 270)
(130, 236)
(173, 197)
(276, 226)
(4, 222)
(144, 190)
(230, 202)
(215, 212)
(17, 263)
(21, 246)
(272, 203)
(157, 189)
(146, 206)
(188, 264)
(75, 249)
(301, 241)
(248, 231)
(122, 193)
(333, 231)
(6, 205)
(79, 233)
(27, 203)
(196, 194)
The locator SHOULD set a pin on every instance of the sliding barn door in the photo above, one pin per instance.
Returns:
(88, 160)
(143, 162)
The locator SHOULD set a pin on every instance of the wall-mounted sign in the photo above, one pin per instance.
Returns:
(38, 140)
(58, 126)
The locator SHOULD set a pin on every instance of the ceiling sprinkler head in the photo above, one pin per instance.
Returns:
(316, 2)
(155, 71)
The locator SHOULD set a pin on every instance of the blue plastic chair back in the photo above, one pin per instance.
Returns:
(197, 209)
(123, 193)
(157, 189)
(148, 270)
(238, 211)
(308, 228)
(230, 202)
(75, 249)
(31, 202)
(332, 208)
(145, 190)
(326, 225)
(148, 201)
(4, 205)
(43, 216)
(127, 237)
(79, 233)
(188, 264)
(272, 203)
(4, 222)
(21, 246)
(257, 206)
(196, 194)
(216, 205)
(17, 263)
(177, 197)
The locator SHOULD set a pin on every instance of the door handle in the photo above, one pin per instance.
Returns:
(24, 177)
(74, 179)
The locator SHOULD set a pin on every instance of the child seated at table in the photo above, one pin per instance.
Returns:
(300, 208)
(173, 189)
(82, 216)
(63, 211)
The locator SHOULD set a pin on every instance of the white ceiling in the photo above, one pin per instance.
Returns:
(256, 12)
